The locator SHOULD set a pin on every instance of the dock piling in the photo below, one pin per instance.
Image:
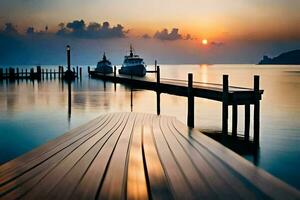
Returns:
(190, 101)
(157, 90)
(80, 72)
(225, 105)
(1, 73)
(247, 122)
(256, 111)
(234, 118)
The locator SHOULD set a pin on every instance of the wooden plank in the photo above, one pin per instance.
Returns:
(19, 161)
(65, 188)
(49, 163)
(90, 183)
(114, 184)
(136, 179)
(263, 181)
(178, 183)
(206, 169)
(158, 183)
(195, 181)
(45, 155)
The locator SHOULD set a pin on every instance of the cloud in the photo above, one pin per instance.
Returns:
(217, 43)
(165, 35)
(94, 30)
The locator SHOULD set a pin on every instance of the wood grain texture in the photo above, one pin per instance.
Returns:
(137, 156)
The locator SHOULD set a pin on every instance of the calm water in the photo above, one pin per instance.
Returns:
(33, 113)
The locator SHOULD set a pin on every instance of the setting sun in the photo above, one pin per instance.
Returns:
(204, 42)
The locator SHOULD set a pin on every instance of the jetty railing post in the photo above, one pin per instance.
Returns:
(11, 73)
(46, 73)
(26, 73)
(115, 77)
(190, 117)
(80, 69)
(39, 72)
(131, 91)
(54, 73)
(31, 73)
(225, 105)
(50, 73)
(58, 72)
(256, 111)
(247, 122)
(234, 117)
(158, 90)
(77, 72)
(1, 73)
(18, 73)
(89, 70)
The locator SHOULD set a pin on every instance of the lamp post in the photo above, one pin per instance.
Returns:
(69, 57)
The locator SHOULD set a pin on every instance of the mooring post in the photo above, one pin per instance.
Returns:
(54, 73)
(1, 73)
(50, 73)
(77, 74)
(247, 122)
(225, 105)
(17, 72)
(6, 73)
(80, 69)
(58, 72)
(26, 73)
(47, 73)
(158, 90)
(234, 116)
(39, 72)
(31, 73)
(11, 73)
(190, 117)
(256, 111)
(89, 70)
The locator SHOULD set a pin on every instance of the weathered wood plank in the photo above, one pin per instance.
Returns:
(137, 156)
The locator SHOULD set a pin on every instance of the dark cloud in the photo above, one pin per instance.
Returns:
(173, 35)
(165, 35)
(217, 43)
(94, 30)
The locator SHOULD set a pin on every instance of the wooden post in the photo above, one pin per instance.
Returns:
(18, 73)
(59, 72)
(190, 117)
(256, 111)
(26, 73)
(39, 72)
(6, 73)
(50, 73)
(234, 117)
(77, 72)
(11, 73)
(31, 73)
(247, 122)
(89, 70)
(54, 73)
(158, 90)
(225, 105)
(47, 73)
(80, 69)
(1, 73)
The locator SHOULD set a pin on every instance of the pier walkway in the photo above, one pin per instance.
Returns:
(136, 156)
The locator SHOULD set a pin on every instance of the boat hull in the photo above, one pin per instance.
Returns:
(138, 70)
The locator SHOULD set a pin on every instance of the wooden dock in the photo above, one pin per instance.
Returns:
(228, 95)
(137, 156)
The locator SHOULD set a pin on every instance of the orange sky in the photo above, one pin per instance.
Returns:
(214, 19)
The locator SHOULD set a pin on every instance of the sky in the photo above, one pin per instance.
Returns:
(172, 31)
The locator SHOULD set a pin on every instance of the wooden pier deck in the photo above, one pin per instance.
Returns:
(136, 156)
(228, 95)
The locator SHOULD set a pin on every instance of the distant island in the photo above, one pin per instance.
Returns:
(287, 58)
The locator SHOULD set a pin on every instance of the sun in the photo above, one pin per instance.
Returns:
(204, 41)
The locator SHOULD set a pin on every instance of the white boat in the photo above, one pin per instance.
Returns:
(104, 66)
(133, 65)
